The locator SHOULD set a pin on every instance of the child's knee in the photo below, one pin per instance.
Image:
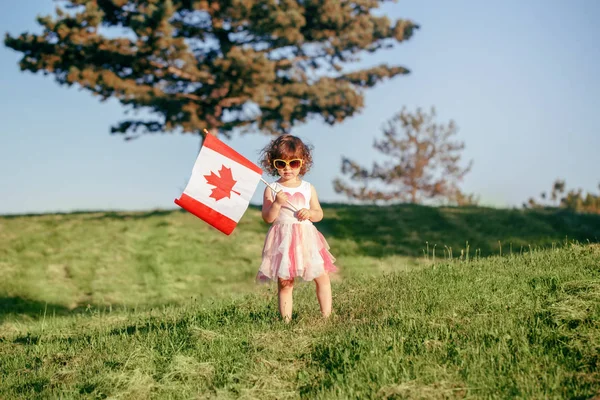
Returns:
(286, 284)
(322, 280)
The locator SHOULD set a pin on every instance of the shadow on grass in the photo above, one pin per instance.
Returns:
(118, 215)
(411, 229)
(32, 308)
(19, 307)
(100, 215)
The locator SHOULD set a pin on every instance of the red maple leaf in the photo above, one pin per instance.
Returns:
(224, 183)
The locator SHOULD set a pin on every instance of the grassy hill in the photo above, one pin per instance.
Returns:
(68, 262)
(405, 229)
(521, 326)
(160, 305)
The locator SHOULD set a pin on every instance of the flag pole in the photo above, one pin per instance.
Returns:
(275, 191)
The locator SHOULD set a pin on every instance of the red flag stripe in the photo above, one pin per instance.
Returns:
(204, 212)
(212, 142)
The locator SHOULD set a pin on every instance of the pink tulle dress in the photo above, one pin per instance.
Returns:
(294, 248)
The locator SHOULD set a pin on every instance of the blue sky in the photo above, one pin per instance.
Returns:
(520, 78)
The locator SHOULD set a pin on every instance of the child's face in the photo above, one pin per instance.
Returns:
(288, 168)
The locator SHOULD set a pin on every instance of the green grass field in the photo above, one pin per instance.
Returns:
(429, 303)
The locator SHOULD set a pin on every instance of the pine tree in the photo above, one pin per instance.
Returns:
(424, 164)
(262, 65)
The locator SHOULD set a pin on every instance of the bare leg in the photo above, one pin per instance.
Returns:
(286, 288)
(324, 294)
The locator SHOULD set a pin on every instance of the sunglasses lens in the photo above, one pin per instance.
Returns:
(279, 164)
(295, 164)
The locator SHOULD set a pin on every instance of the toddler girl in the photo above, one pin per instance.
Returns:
(293, 246)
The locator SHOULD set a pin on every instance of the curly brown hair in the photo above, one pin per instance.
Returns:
(286, 147)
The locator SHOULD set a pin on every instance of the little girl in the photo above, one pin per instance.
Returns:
(293, 246)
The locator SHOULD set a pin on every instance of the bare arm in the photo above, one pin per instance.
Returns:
(316, 212)
(271, 206)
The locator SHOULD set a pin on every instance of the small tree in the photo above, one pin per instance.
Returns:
(424, 163)
(220, 64)
(573, 200)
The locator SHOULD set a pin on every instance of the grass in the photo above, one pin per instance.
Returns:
(70, 262)
(521, 326)
(158, 305)
(405, 229)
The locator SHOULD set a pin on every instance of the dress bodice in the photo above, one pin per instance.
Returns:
(298, 196)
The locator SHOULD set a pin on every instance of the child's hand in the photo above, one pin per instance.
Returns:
(281, 198)
(303, 214)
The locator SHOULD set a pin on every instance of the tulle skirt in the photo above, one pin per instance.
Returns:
(295, 250)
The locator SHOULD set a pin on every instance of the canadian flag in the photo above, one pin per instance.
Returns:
(221, 186)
